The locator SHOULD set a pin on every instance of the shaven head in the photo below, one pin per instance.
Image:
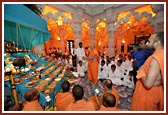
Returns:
(78, 92)
(65, 86)
(109, 100)
(31, 95)
(108, 84)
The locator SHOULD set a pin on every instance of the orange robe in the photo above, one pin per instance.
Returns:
(93, 100)
(103, 108)
(116, 94)
(32, 106)
(93, 67)
(80, 105)
(62, 100)
(149, 99)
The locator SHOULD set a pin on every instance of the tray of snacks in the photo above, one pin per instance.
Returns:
(30, 84)
(39, 68)
(32, 67)
(43, 82)
(35, 79)
(6, 78)
(19, 80)
(51, 86)
(72, 80)
(57, 79)
(40, 88)
(47, 91)
(26, 76)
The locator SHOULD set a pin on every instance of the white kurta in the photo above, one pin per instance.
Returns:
(80, 52)
(115, 76)
(102, 74)
(81, 70)
(127, 82)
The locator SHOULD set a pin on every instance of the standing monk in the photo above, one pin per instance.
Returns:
(149, 90)
(93, 64)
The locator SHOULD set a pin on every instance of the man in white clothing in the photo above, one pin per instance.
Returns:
(102, 71)
(80, 69)
(129, 80)
(80, 53)
(115, 75)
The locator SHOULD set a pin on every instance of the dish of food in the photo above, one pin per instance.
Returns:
(72, 80)
(19, 80)
(47, 91)
(40, 68)
(57, 79)
(43, 83)
(32, 67)
(30, 84)
(39, 88)
(6, 78)
(26, 76)
(51, 86)
(35, 79)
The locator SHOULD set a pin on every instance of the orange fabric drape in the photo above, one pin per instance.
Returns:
(62, 100)
(149, 99)
(93, 66)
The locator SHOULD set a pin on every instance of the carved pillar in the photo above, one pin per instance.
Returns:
(93, 31)
(111, 16)
(118, 45)
(111, 49)
(77, 25)
(77, 30)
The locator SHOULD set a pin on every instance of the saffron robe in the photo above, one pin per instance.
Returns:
(149, 99)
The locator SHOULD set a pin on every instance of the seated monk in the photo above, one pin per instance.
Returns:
(31, 96)
(107, 84)
(64, 98)
(97, 100)
(109, 103)
(79, 104)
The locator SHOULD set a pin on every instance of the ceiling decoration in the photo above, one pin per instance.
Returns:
(140, 15)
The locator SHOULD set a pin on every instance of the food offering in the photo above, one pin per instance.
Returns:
(40, 68)
(71, 81)
(40, 88)
(30, 84)
(19, 80)
(61, 76)
(26, 76)
(6, 78)
(57, 79)
(32, 67)
(52, 85)
(16, 71)
(43, 82)
(47, 91)
(35, 79)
